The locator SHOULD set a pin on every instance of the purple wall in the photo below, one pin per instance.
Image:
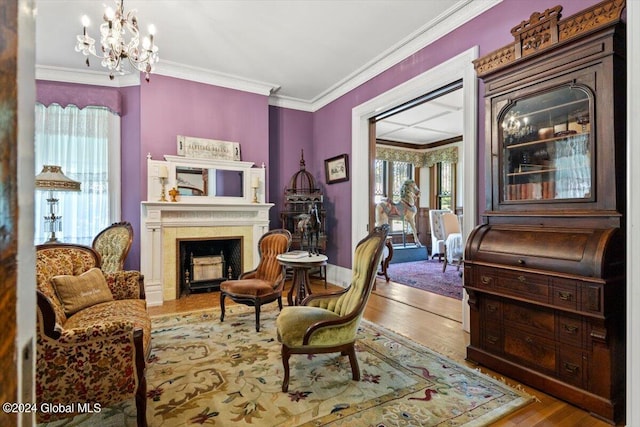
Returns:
(332, 123)
(290, 131)
(131, 160)
(154, 113)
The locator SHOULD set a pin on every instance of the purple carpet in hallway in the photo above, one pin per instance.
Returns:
(428, 276)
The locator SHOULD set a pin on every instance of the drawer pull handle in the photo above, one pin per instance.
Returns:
(492, 339)
(521, 261)
(570, 328)
(529, 340)
(522, 279)
(485, 280)
(571, 368)
(565, 296)
(492, 308)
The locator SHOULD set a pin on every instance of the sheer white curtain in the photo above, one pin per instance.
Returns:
(86, 144)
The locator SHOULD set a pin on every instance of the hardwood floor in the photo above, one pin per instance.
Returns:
(434, 321)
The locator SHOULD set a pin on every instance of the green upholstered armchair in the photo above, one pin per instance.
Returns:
(327, 323)
(266, 282)
(113, 244)
(97, 351)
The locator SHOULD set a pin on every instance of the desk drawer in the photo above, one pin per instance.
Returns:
(530, 349)
(534, 319)
(531, 286)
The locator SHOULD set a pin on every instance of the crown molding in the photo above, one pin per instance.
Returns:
(87, 77)
(449, 20)
(454, 17)
(201, 75)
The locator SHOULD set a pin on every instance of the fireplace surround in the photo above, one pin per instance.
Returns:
(165, 224)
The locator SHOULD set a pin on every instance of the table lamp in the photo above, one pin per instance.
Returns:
(51, 178)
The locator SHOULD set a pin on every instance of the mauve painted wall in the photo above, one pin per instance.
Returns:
(158, 111)
(332, 123)
(290, 131)
(130, 169)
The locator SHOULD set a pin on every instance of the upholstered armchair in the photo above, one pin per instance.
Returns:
(113, 244)
(327, 323)
(437, 232)
(265, 283)
(453, 246)
(93, 331)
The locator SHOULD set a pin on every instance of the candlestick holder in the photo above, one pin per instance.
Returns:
(163, 192)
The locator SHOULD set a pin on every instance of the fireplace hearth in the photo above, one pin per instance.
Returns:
(204, 263)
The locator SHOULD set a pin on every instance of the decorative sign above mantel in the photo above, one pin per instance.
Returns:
(201, 148)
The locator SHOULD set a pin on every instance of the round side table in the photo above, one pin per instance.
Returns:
(301, 266)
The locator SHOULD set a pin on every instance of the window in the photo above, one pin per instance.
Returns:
(389, 177)
(86, 144)
(444, 185)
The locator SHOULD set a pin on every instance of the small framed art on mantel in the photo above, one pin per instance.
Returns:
(337, 169)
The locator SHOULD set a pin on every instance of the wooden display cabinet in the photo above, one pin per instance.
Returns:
(545, 272)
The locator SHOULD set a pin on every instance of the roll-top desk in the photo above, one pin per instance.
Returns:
(545, 272)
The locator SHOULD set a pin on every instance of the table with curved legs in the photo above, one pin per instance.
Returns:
(301, 265)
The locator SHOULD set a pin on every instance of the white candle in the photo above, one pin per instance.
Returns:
(255, 181)
(163, 172)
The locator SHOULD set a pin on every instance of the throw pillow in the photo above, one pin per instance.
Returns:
(78, 292)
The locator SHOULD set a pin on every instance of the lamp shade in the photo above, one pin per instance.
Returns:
(52, 178)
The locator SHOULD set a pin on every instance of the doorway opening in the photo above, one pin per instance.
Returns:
(455, 69)
(421, 141)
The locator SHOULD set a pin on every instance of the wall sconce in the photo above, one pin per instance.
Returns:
(255, 184)
(163, 174)
(51, 178)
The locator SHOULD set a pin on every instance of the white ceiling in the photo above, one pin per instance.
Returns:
(301, 52)
(432, 121)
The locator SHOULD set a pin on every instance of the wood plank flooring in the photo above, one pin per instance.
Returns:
(434, 321)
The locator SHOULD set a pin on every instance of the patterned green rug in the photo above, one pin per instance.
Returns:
(204, 372)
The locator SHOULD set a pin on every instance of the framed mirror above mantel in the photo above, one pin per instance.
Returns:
(205, 181)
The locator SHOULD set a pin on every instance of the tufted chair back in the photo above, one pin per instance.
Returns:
(113, 244)
(363, 275)
(270, 246)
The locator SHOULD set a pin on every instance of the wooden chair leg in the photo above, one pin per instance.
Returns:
(141, 403)
(222, 296)
(285, 364)
(257, 316)
(355, 369)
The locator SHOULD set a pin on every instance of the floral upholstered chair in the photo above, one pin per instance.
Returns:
(113, 244)
(327, 323)
(93, 331)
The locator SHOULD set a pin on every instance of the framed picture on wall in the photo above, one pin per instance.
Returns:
(337, 169)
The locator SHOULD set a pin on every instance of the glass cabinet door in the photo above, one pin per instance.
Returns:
(546, 147)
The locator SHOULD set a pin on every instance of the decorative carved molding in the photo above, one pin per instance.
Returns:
(544, 30)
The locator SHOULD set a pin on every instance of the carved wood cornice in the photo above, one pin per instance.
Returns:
(544, 30)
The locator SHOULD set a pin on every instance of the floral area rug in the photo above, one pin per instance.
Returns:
(428, 276)
(204, 372)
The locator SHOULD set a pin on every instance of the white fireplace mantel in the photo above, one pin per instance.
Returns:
(164, 223)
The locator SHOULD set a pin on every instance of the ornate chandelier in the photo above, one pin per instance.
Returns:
(114, 32)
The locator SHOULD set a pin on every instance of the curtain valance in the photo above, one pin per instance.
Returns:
(64, 94)
(418, 159)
